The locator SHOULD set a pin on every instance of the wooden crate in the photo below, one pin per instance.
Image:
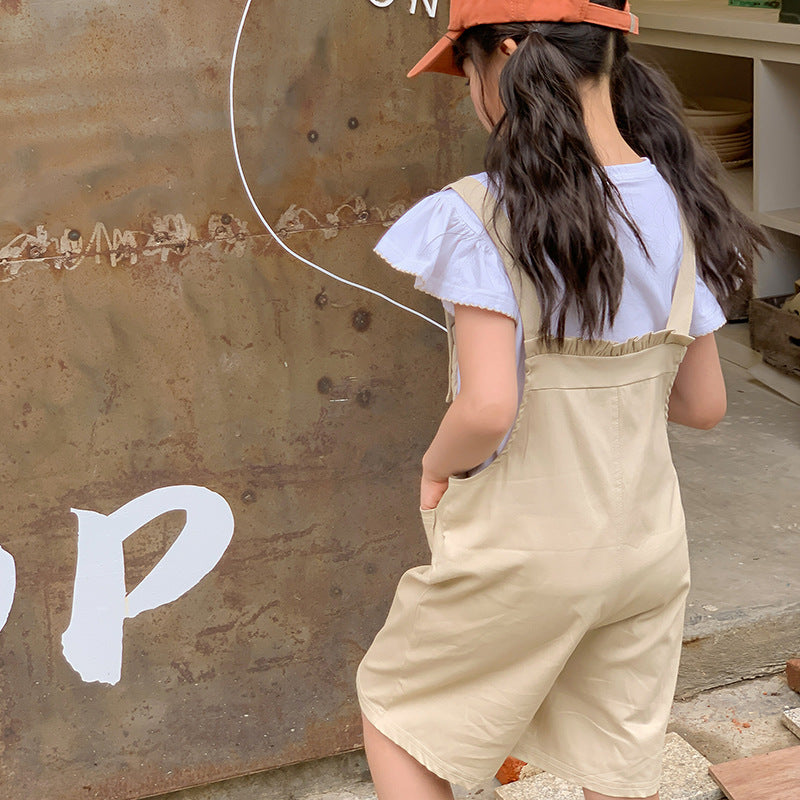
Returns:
(775, 333)
(737, 305)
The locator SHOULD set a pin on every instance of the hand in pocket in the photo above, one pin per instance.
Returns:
(430, 492)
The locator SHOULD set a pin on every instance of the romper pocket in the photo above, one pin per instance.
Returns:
(428, 515)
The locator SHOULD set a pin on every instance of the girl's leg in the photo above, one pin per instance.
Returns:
(590, 795)
(396, 774)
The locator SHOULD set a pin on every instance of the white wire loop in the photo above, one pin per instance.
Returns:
(258, 210)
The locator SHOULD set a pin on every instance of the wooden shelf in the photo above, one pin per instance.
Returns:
(740, 184)
(776, 143)
(712, 26)
(786, 219)
(710, 48)
(716, 18)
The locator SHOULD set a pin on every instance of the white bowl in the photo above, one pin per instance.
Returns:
(733, 153)
(727, 138)
(721, 124)
(718, 115)
(718, 144)
(712, 106)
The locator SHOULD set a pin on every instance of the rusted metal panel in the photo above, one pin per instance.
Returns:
(155, 335)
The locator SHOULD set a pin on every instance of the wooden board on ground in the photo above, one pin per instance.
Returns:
(766, 777)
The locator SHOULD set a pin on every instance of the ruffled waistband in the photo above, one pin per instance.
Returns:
(602, 348)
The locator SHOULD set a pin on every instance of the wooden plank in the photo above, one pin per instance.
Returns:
(771, 776)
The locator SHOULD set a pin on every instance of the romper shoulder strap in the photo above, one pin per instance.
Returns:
(680, 315)
(483, 203)
(452, 370)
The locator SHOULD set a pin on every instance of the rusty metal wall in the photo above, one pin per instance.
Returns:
(155, 335)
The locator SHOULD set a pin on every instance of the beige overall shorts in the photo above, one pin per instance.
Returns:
(548, 624)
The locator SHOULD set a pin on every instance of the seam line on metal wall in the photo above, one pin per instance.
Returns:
(258, 210)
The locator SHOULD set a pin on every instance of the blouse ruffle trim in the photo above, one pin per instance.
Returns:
(443, 244)
(442, 294)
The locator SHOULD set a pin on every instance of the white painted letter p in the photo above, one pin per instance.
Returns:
(93, 641)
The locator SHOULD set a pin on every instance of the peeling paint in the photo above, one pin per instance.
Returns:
(170, 234)
(354, 212)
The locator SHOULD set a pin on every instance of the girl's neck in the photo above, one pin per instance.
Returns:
(603, 132)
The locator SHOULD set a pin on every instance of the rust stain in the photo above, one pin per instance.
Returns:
(693, 640)
(115, 389)
(156, 335)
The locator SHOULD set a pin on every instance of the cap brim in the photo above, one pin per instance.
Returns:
(440, 58)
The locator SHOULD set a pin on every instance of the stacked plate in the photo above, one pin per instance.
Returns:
(725, 125)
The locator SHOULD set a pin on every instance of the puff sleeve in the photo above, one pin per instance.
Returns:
(707, 314)
(443, 244)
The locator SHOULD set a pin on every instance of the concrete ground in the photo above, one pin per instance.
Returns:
(740, 491)
(737, 721)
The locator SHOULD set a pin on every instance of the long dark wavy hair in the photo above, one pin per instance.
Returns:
(558, 197)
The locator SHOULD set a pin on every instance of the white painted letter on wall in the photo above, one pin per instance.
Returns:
(93, 641)
(8, 585)
(430, 6)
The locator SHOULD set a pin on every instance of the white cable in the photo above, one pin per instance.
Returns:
(258, 210)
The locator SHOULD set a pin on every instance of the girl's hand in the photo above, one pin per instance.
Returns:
(431, 491)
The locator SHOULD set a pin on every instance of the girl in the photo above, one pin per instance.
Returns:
(548, 624)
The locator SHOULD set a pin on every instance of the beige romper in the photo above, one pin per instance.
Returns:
(548, 624)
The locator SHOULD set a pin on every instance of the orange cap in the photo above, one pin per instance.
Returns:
(466, 13)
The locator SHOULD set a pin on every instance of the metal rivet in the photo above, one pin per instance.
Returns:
(226, 219)
(364, 398)
(361, 319)
(321, 300)
(336, 591)
(248, 496)
(313, 136)
(74, 235)
(324, 385)
(352, 123)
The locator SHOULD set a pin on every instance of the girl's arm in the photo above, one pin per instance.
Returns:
(486, 405)
(698, 396)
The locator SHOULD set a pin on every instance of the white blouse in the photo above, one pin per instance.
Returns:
(445, 246)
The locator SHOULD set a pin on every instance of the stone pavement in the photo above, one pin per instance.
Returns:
(685, 777)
